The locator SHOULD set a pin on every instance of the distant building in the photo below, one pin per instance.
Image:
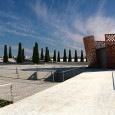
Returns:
(100, 53)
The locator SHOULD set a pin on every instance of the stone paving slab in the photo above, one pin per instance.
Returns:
(22, 88)
(90, 93)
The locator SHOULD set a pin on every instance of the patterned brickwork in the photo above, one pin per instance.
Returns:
(90, 49)
(91, 45)
(110, 50)
(100, 43)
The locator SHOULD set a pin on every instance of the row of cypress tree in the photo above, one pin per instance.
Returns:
(57, 58)
(35, 56)
(5, 57)
(20, 56)
(70, 57)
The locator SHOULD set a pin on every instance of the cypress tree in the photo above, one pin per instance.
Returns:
(75, 58)
(10, 52)
(54, 57)
(82, 59)
(69, 59)
(49, 59)
(58, 58)
(5, 57)
(47, 55)
(42, 55)
(23, 54)
(33, 56)
(19, 56)
(64, 57)
(36, 55)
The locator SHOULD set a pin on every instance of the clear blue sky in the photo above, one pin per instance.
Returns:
(57, 24)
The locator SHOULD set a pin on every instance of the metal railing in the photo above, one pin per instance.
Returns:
(64, 75)
(55, 74)
(4, 100)
(113, 81)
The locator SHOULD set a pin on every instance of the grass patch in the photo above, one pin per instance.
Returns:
(4, 103)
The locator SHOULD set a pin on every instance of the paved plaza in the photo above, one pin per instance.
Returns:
(21, 86)
(89, 93)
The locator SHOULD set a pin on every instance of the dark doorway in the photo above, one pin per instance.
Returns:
(101, 57)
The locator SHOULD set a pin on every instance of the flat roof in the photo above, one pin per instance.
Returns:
(100, 47)
(90, 93)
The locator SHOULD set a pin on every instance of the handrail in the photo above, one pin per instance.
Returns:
(11, 90)
(69, 70)
(113, 81)
(73, 72)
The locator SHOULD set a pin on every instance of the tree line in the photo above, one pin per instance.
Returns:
(36, 57)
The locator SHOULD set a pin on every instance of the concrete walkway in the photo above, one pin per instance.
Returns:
(86, 94)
